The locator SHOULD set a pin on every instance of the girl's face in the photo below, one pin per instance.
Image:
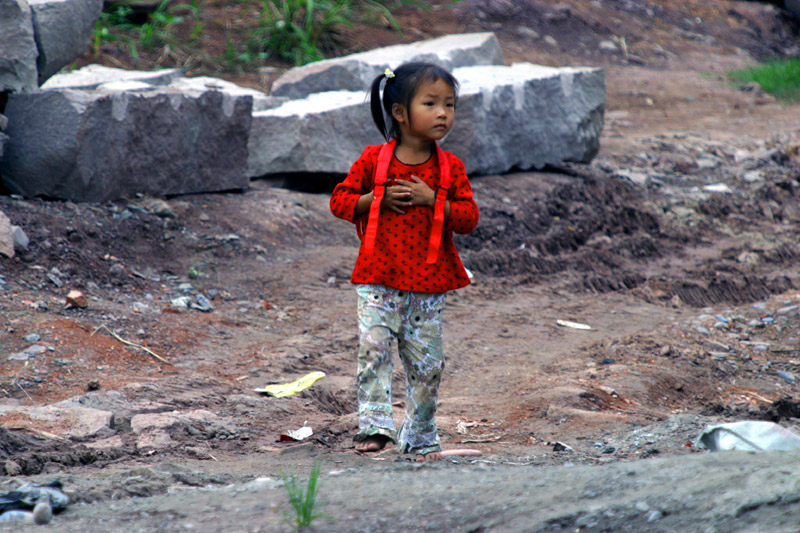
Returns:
(432, 112)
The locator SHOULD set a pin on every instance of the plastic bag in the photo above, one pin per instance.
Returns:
(749, 436)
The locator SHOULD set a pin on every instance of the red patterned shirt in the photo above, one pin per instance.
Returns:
(401, 245)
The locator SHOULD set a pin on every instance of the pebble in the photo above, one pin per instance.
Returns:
(42, 513)
(203, 304)
(654, 516)
(787, 376)
(787, 310)
(180, 303)
(32, 337)
(703, 330)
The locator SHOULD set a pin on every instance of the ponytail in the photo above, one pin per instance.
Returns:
(376, 107)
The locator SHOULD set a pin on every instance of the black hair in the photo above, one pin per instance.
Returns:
(400, 89)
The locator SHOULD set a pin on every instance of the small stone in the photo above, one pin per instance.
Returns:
(788, 377)
(551, 41)
(642, 506)
(654, 516)
(21, 240)
(608, 361)
(77, 299)
(93, 385)
(332, 280)
(12, 468)
(703, 330)
(42, 513)
(787, 310)
(608, 46)
(202, 304)
(181, 303)
(526, 31)
(32, 337)
(117, 270)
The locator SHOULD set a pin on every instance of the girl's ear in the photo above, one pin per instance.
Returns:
(399, 113)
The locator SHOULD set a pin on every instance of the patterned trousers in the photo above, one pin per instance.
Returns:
(415, 320)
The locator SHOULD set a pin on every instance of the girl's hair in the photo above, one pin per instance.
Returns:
(400, 89)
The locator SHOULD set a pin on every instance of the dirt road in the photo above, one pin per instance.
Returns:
(677, 246)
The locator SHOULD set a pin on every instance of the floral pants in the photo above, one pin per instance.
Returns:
(415, 320)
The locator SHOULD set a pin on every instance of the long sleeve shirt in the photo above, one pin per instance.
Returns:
(401, 245)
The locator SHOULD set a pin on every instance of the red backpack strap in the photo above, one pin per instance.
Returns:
(439, 205)
(379, 181)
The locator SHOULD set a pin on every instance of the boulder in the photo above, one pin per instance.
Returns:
(793, 7)
(6, 236)
(355, 72)
(98, 145)
(3, 141)
(527, 116)
(93, 76)
(261, 101)
(78, 423)
(17, 48)
(518, 117)
(63, 29)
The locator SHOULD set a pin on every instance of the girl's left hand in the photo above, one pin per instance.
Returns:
(421, 193)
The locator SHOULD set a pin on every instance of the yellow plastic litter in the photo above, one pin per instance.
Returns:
(288, 389)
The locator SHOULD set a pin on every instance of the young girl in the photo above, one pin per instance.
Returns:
(406, 197)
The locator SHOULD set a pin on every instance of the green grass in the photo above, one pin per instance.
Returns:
(780, 78)
(303, 501)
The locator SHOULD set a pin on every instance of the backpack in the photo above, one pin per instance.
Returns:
(368, 234)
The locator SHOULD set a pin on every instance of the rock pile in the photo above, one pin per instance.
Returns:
(100, 134)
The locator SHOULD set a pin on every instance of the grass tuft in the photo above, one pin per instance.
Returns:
(303, 501)
(780, 78)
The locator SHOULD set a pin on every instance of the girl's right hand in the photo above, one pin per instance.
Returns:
(397, 198)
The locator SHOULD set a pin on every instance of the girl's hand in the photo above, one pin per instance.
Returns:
(419, 192)
(397, 198)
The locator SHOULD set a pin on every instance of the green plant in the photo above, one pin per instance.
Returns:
(781, 78)
(117, 25)
(303, 501)
(295, 30)
(115, 18)
(157, 28)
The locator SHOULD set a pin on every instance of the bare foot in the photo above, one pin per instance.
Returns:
(461, 452)
(432, 456)
(374, 443)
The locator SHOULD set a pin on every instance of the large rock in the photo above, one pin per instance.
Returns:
(355, 72)
(6, 236)
(793, 7)
(78, 423)
(93, 76)
(63, 29)
(523, 116)
(108, 143)
(17, 48)
(527, 116)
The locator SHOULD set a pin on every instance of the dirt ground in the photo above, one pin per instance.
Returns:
(676, 245)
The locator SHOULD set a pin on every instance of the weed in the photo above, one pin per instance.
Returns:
(303, 501)
(117, 25)
(780, 78)
(296, 29)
